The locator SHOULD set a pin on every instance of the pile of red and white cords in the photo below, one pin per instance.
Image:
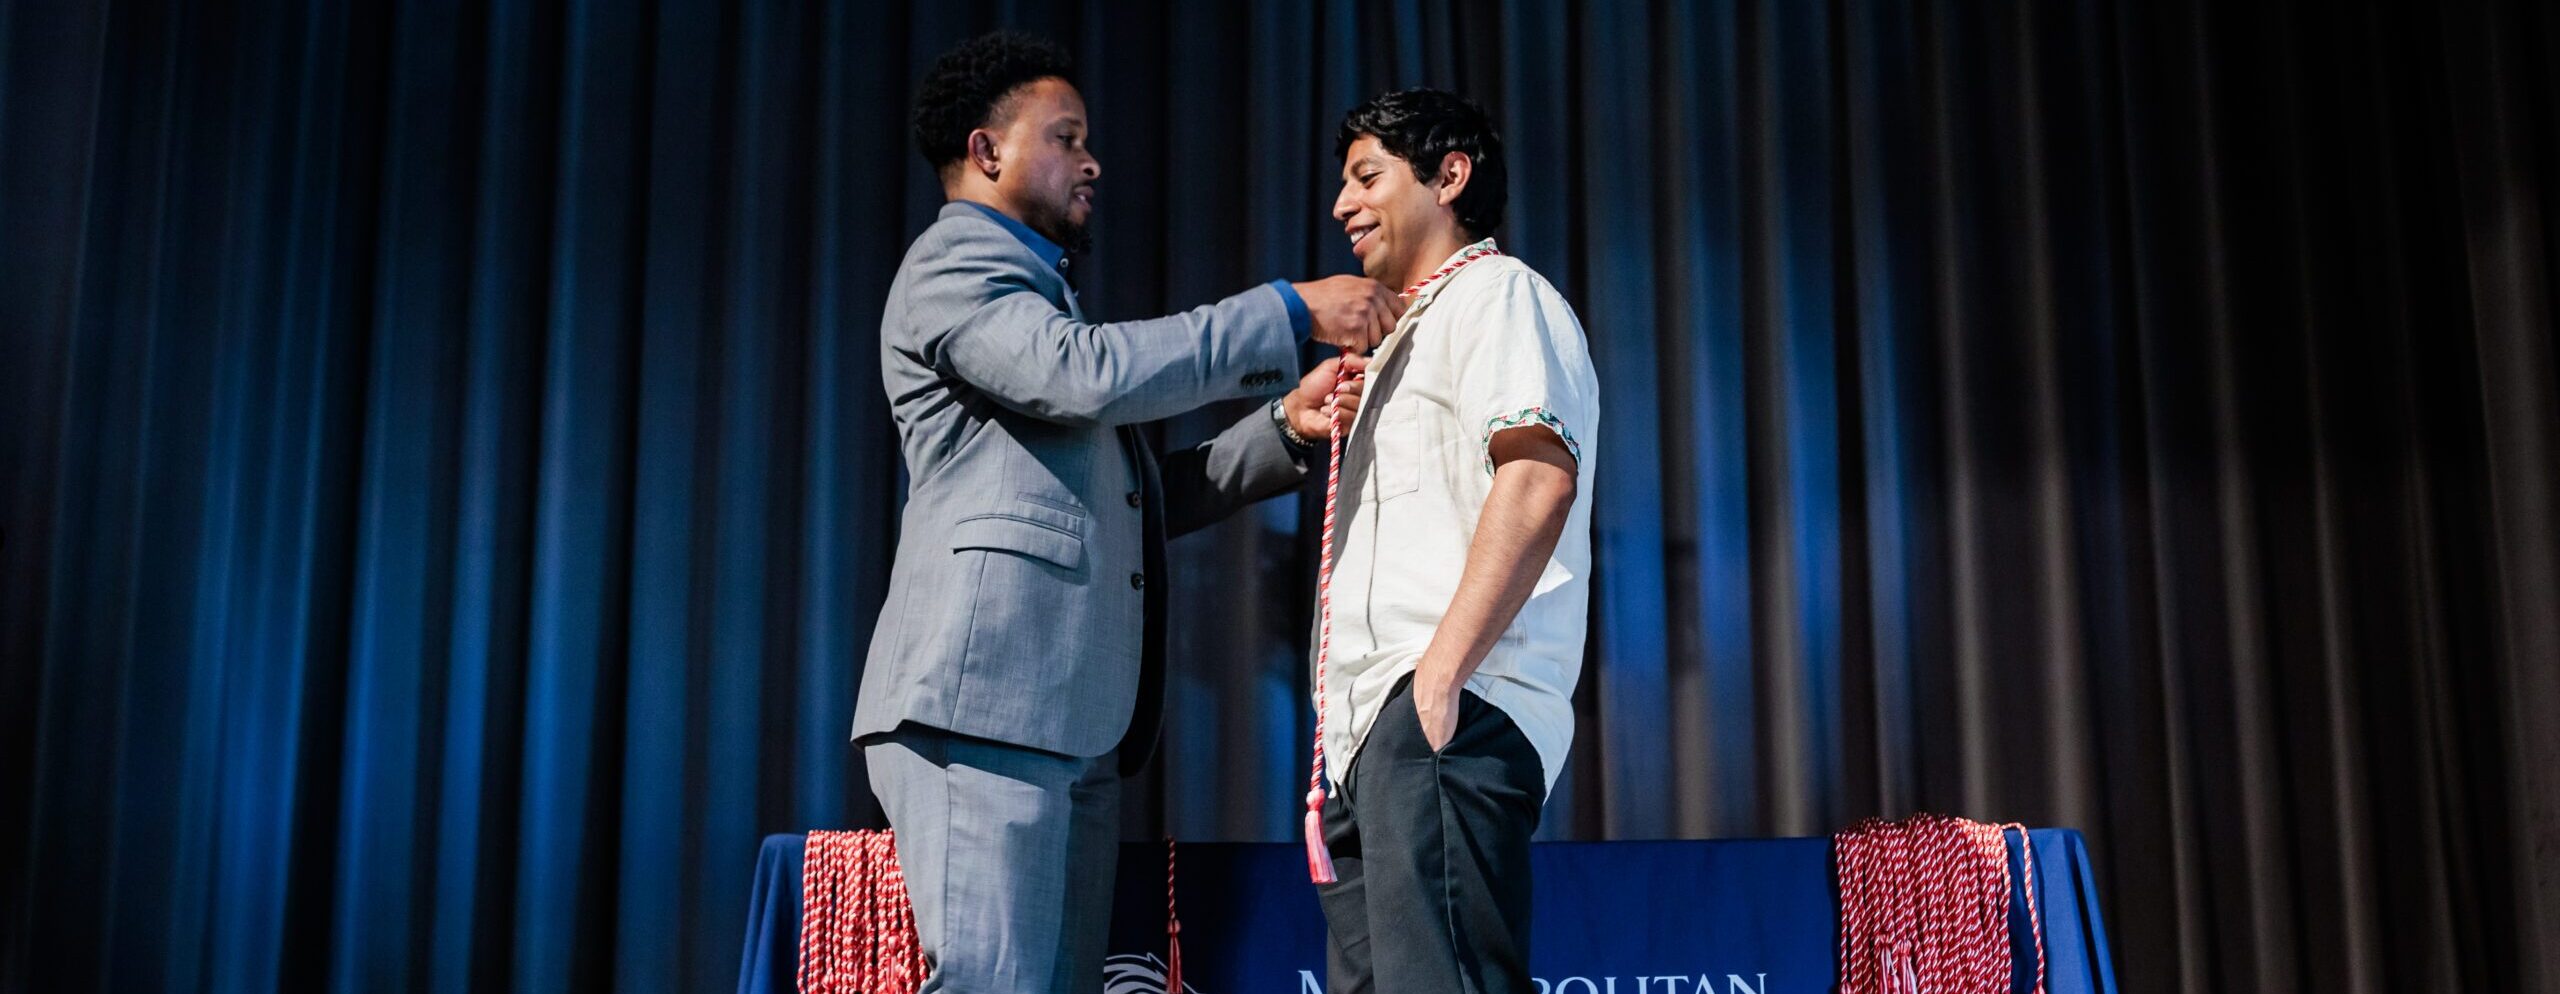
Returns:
(1924, 906)
(857, 930)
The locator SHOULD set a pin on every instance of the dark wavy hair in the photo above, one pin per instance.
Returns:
(1422, 126)
(966, 86)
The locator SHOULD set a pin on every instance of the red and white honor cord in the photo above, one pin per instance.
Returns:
(1320, 859)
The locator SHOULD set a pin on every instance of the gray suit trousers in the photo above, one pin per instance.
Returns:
(1009, 854)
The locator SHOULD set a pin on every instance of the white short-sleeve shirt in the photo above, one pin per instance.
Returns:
(1492, 346)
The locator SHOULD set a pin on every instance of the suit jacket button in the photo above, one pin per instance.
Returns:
(1137, 581)
(1133, 498)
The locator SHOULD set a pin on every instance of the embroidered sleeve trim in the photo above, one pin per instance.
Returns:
(1529, 416)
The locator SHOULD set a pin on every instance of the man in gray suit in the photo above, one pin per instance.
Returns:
(1016, 672)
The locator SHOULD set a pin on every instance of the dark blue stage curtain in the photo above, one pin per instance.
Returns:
(445, 490)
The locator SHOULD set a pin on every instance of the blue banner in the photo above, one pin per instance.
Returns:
(1752, 916)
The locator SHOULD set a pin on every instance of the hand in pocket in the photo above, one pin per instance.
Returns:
(1436, 707)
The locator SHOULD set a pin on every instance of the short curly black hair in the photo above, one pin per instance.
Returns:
(1422, 126)
(968, 84)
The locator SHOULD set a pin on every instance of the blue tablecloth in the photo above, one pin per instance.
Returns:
(1755, 916)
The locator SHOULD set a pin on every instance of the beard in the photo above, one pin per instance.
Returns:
(1055, 222)
(1075, 238)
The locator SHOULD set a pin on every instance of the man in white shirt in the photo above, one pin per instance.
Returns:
(1461, 572)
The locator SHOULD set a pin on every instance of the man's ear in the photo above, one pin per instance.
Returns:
(1455, 170)
(982, 153)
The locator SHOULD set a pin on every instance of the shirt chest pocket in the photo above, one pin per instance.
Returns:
(1401, 452)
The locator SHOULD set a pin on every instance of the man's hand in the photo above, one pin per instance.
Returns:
(1435, 701)
(1305, 405)
(1352, 312)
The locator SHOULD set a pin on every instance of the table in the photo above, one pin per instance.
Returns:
(1744, 916)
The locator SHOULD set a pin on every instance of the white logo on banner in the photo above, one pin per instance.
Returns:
(1143, 973)
(1136, 973)
(1705, 984)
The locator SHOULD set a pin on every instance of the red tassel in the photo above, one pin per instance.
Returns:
(1172, 924)
(1319, 859)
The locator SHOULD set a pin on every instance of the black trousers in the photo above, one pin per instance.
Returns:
(1432, 849)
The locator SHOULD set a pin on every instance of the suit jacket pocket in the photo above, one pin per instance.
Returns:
(1047, 534)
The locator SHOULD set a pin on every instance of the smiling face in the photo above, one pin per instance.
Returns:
(1399, 224)
(1045, 173)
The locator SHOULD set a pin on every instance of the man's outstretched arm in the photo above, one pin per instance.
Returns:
(1250, 461)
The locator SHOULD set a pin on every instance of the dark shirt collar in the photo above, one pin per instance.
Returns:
(1040, 245)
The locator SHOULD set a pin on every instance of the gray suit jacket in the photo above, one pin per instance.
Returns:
(1014, 612)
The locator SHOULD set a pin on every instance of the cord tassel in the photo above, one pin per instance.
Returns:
(1319, 859)
(1172, 926)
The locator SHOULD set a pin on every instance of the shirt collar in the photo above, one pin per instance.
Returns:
(1432, 291)
(1413, 312)
(1048, 251)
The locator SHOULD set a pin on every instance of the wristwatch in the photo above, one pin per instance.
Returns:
(1280, 420)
